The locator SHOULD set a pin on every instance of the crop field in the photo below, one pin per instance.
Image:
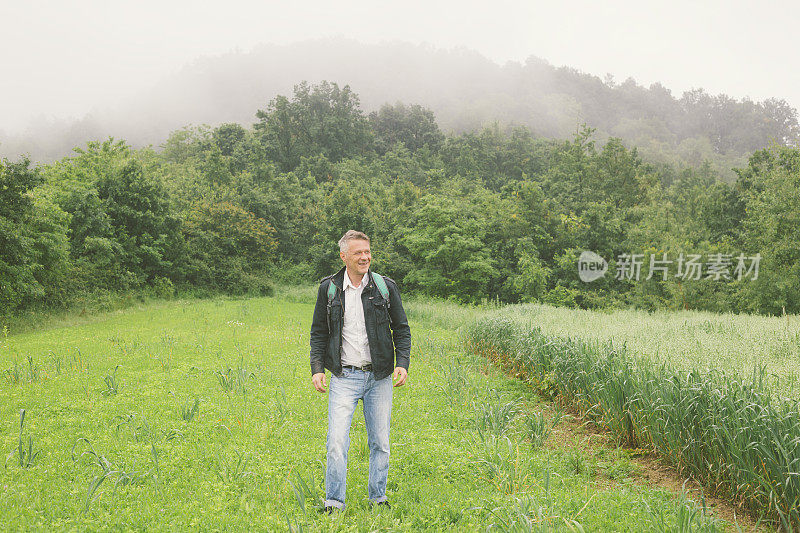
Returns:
(725, 419)
(200, 415)
(687, 340)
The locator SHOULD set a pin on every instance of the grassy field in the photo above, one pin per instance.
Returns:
(200, 415)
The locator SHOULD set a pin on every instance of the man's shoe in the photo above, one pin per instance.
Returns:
(328, 509)
(384, 503)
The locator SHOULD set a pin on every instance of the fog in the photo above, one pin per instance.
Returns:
(138, 70)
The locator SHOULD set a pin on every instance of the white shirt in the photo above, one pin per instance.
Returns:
(355, 346)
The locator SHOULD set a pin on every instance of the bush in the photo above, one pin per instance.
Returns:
(561, 297)
(162, 288)
(253, 285)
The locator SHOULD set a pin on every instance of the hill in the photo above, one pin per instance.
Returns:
(464, 89)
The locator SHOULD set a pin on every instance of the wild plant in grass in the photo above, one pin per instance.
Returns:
(155, 454)
(494, 417)
(33, 370)
(56, 361)
(25, 454)
(168, 339)
(107, 470)
(454, 382)
(305, 492)
(689, 518)
(172, 434)
(94, 457)
(19, 373)
(165, 354)
(15, 373)
(498, 457)
(190, 409)
(126, 348)
(234, 324)
(538, 427)
(531, 514)
(234, 379)
(225, 378)
(576, 461)
(295, 526)
(113, 386)
(281, 406)
(132, 476)
(232, 470)
(137, 425)
(76, 363)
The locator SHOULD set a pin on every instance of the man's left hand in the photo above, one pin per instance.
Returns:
(400, 375)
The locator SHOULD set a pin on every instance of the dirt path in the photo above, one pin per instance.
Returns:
(591, 441)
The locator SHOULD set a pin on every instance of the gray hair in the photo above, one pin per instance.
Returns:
(351, 235)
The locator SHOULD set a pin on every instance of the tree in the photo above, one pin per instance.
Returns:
(230, 248)
(236, 145)
(571, 180)
(495, 157)
(34, 255)
(320, 119)
(414, 126)
(142, 223)
(772, 228)
(531, 277)
(444, 240)
(621, 175)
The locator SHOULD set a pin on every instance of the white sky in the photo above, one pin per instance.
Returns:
(60, 58)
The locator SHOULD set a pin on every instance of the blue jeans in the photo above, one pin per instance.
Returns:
(343, 396)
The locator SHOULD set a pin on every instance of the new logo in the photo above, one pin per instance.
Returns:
(591, 266)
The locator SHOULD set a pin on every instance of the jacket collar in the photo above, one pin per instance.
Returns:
(338, 279)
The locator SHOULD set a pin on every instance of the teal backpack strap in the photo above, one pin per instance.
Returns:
(384, 290)
(331, 292)
(381, 284)
(331, 295)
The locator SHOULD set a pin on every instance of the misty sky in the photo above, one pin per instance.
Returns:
(61, 58)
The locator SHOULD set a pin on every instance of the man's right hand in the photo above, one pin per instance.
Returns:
(318, 380)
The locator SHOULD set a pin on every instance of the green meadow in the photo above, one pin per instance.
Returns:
(200, 414)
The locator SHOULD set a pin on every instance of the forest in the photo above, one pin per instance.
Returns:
(498, 213)
(466, 91)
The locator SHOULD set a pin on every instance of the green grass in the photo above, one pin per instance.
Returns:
(200, 414)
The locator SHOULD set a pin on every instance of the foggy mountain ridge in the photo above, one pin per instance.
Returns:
(464, 89)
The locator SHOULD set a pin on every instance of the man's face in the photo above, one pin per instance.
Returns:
(357, 257)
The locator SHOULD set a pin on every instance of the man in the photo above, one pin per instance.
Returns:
(360, 333)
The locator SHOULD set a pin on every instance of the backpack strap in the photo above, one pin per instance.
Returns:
(331, 295)
(381, 284)
(331, 292)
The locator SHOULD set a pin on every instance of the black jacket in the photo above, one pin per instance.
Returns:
(388, 333)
